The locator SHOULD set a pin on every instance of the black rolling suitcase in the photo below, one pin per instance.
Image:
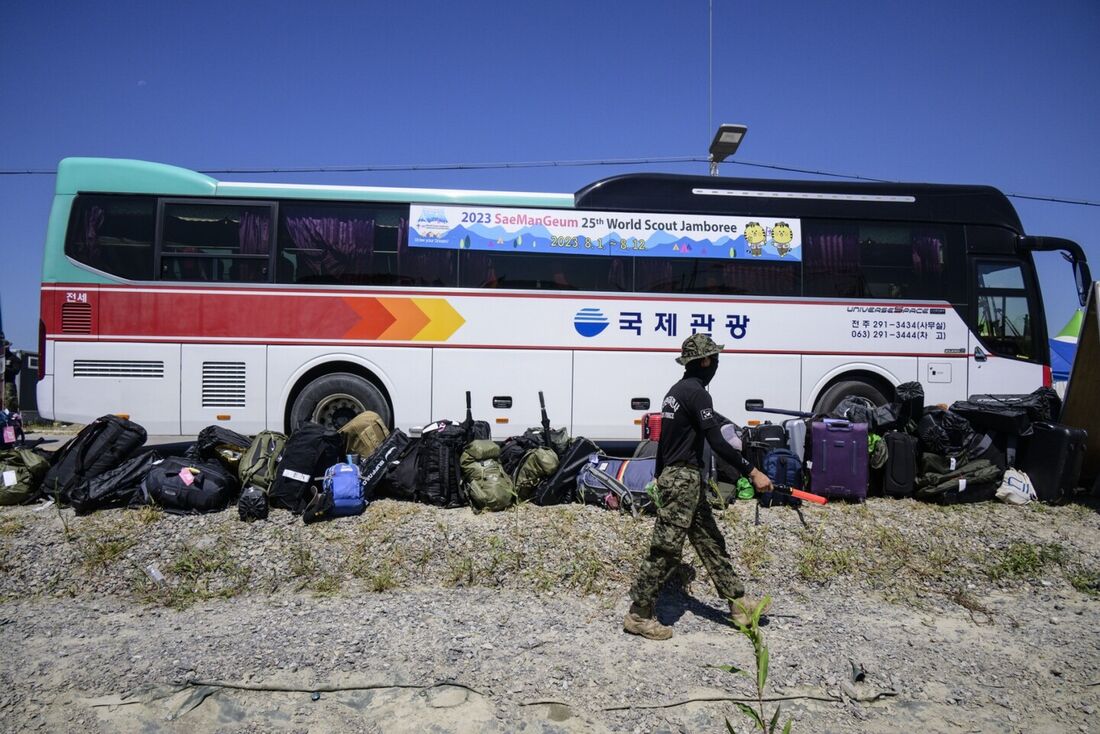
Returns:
(1052, 456)
(900, 473)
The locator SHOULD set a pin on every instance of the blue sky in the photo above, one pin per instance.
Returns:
(1000, 93)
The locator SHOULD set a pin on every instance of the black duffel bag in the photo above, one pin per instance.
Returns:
(118, 487)
(990, 416)
(184, 486)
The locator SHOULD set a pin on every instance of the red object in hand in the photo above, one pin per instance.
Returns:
(815, 498)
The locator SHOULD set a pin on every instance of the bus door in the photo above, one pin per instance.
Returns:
(1007, 339)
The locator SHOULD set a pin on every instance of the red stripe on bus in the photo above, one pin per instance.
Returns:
(268, 291)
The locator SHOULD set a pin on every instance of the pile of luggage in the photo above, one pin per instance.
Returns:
(973, 451)
(319, 473)
(1007, 446)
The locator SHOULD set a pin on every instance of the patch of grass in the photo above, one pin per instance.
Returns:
(148, 515)
(382, 579)
(197, 574)
(1021, 560)
(754, 550)
(461, 571)
(820, 561)
(302, 564)
(1085, 580)
(326, 584)
(11, 525)
(586, 574)
(98, 553)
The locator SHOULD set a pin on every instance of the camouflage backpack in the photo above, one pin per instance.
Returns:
(364, 433)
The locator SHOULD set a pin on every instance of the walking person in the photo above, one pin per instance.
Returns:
(12, 367)
(687, 420)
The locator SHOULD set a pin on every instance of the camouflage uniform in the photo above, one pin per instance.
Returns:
(684, 514)
(11, 399)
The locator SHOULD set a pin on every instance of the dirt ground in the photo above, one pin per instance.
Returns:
(413, 619)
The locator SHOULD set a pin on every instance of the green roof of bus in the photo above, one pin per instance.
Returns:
(122, 176)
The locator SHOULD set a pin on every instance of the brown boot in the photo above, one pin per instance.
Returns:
(647, 627)
(741, 617)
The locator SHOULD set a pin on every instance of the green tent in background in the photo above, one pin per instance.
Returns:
(1063, 347)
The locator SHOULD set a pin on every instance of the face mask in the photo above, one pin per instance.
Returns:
(707, 373)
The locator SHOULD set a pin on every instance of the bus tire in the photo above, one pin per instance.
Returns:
(334, 399)
(835, 393)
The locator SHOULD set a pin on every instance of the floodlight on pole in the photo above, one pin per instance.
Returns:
(725, 143)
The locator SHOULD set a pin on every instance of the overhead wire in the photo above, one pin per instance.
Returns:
(504, 165)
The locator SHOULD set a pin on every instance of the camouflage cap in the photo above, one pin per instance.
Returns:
(698, 346)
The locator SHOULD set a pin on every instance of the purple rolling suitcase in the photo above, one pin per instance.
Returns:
(840, 463)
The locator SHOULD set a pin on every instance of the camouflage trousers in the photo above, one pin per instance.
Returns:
(11, 399)
(684, 514)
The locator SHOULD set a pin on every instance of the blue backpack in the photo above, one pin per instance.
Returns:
(345, 485)
(783, 467)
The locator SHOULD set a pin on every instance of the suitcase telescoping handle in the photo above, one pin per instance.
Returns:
(755, 405)
(469, 412)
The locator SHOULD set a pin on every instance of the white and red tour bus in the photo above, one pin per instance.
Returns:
(183, 301)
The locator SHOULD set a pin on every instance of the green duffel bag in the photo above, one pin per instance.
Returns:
(257, 464)
(487, 486)
(21, 471)
(536, 466)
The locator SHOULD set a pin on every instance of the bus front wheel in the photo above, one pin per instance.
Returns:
(334, 399)
(834, 394)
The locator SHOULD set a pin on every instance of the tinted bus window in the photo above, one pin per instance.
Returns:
(479, 269)
(725, 277)
(353, 244)
(883, 261)
(216, 242)
(114, 234)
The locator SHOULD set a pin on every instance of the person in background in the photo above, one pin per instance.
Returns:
(12, 366)
(688, 419)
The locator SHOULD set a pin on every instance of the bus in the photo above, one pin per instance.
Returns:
(184, 301)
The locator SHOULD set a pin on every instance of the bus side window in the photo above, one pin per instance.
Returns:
(114, 234)
(227, 242)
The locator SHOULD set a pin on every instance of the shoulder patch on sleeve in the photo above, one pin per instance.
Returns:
(706, 414)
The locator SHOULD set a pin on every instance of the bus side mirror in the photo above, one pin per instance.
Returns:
(753, 405)
(1082, 278)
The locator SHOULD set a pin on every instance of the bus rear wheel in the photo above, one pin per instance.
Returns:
(334, 399)
(834, 394)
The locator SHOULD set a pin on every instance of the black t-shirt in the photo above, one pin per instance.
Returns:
(688, 419)
(687, 412)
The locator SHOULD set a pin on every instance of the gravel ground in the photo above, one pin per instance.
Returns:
(410, 618)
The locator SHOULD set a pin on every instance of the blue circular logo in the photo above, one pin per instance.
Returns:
(589, 322)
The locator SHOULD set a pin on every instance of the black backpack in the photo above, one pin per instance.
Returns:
(309, 451)
(101, 446)
(184, 486)
(118, 487)
(252, 504)
(438, 476)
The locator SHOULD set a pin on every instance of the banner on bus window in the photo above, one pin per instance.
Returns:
(571, 232)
